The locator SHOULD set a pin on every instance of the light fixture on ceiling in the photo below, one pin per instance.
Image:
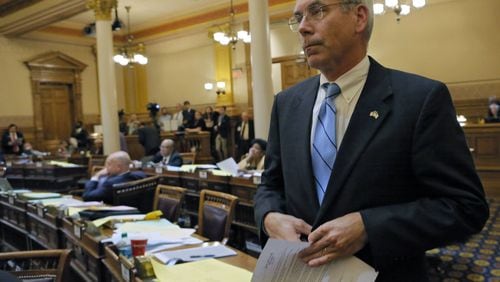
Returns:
(229, 36)
(130, 53)
(399, 7)
(117, 24)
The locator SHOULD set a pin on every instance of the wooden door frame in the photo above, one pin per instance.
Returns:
(58, 68)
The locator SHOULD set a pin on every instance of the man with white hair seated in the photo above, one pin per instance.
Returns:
(167, 154)
(116, 170)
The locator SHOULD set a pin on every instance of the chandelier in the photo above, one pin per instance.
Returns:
(130, 53)
(399, 7)
(230, 36)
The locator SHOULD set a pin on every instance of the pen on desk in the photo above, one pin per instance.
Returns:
(202, 256)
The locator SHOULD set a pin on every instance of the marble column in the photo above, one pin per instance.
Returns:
(261, 66)
(106, 74)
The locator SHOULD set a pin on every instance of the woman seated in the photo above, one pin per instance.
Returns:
(254, 159)
(493, 111)
(199, 123)
(65, 149)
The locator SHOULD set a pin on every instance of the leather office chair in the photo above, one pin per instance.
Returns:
(215, 215)
(46, 265)
(169, 200)
(79, 192)
(139, 194)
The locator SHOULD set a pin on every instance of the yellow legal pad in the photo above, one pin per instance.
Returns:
(207, 270)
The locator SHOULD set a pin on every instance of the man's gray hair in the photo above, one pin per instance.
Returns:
(347, 4)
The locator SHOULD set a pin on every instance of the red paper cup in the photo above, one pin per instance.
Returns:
(138, 246)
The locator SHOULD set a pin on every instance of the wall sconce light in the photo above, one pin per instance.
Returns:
(208, 86)
(221, 87)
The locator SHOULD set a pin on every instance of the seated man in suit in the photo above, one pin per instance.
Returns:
(167, 154)
(117, 170)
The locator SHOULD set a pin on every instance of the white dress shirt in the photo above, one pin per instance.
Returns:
(351, 84)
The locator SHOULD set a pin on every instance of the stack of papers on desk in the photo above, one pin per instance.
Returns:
(161, 234)
(208, 270)
(194, 254)
(118, 218)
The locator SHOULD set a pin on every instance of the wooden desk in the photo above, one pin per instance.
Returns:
(43, 176)
(26, 226)
(484, 142)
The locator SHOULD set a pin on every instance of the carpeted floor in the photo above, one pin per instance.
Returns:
(476, 260)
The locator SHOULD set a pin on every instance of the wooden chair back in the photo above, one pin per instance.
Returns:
(139, 193)
(96, 160)
(49, 264)
(169, 200)
(188, 158)
(215, 215)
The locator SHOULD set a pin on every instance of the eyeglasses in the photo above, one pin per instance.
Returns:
(315, 12)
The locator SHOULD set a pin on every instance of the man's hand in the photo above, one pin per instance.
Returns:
(341, 237)
(101, 172)
(285, 227)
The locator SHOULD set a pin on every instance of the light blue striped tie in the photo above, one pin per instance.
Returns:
(325, 142)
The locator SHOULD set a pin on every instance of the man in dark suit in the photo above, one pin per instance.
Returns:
(149, 137)
(117, 170)
(243, 135)
(221, 130)
(167, 154)
(187, 115)
(402, 180)
(12, 140)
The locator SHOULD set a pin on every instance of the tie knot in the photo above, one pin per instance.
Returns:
(332, 90)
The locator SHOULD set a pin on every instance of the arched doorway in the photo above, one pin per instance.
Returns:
(57, 97)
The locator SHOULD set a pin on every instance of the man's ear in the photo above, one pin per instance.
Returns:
(361, 12)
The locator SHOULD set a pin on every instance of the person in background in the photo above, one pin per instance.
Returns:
(222, 129)
(178, 117)
(64, 149)
(363, 160)
(199, 123)
(122, 124)
(28, 151)
(211, 117)
(133, 124)
(243, 135)
(81, 135)
(167, 154)
(149, 138)
(98, 148)
(116, 170)
(254, 159)
(187, 115)
(164, 119)
(12, 140)
(493, 111)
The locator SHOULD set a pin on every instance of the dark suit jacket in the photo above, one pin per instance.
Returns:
(224, 127)
(149, 137)
(239, 128)
(103, 192)
(175, 159)
(406, 169)
(9, 149)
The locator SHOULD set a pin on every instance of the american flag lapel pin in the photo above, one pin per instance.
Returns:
(374, 114)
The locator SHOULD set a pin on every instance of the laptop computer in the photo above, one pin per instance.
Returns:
(5, 185)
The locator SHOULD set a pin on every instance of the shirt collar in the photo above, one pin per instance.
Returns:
(350, 79)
